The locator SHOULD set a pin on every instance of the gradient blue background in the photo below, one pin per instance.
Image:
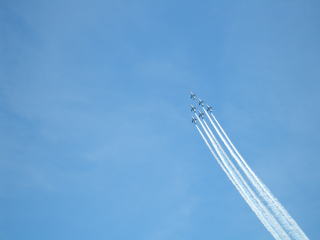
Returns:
(96, 139)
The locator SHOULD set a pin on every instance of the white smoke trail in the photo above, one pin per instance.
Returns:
(284, 217)
(278, 210)
(251, 194)
(249, 202)
(239, 186)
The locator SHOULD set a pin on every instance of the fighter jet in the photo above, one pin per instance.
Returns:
(201, 115)
(209, 108)
(193, 108)
(193, 96)
(201, 102)
(194, 120)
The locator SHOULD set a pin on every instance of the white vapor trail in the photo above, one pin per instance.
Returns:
(249, 196)
(286, 221)
(271, 219)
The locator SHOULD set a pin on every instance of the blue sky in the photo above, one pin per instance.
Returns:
(96, 138)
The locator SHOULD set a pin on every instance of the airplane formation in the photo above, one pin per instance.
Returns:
(200, 103)
(267, 208)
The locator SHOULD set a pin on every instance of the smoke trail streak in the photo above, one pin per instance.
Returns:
(249, 202)
(239, 185)
(244, 167)
(284, 217)
(280, 213)
(261, 207)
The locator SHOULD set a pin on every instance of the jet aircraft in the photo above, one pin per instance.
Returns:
(193, 108)
(209, 108)
(201, 115)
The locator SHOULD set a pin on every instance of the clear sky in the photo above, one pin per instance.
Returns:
(96, 135)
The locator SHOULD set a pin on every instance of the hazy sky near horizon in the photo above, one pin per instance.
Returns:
(96, 135)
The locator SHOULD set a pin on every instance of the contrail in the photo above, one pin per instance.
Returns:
(249, 202)
(259, 198)
(262, 211)
(279, 211)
